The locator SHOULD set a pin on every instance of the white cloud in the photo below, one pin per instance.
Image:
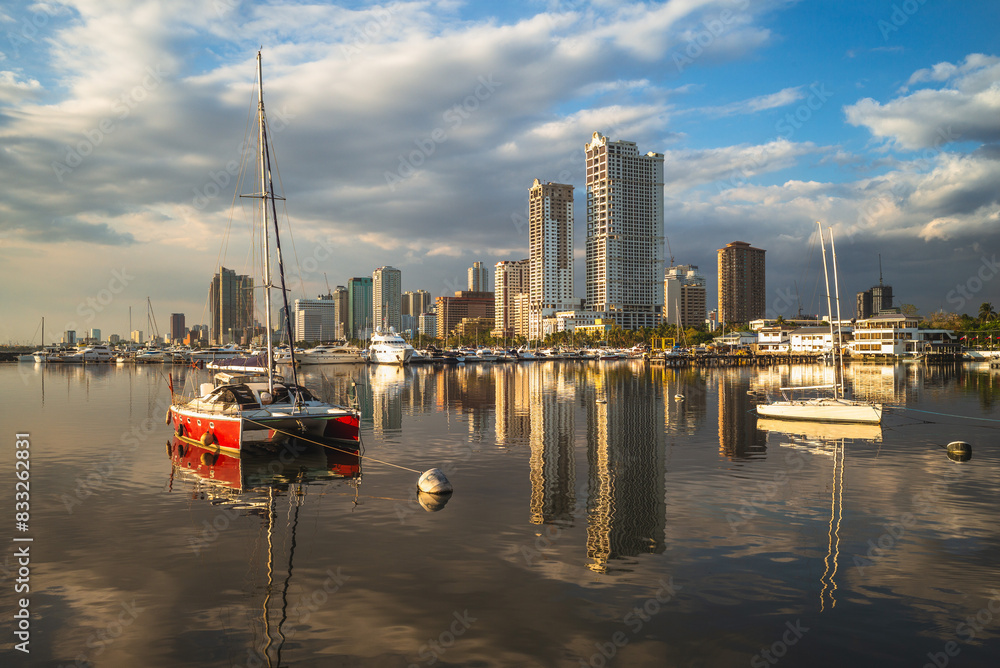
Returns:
(782, 98)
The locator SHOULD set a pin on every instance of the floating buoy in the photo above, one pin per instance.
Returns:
(959, 451)
(602, 401)
(433, 481)
(432, 502)
(167, 422)
(679, 397)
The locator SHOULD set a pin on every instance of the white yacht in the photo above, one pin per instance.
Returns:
(332, 354)
(95, 353)
(389, 348)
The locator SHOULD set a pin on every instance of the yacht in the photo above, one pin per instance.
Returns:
(332, 354)
(389, 348)
(95, 353)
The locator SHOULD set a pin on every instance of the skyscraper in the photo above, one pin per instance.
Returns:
(415, 303)
(550, 252)
(230, 299)
(359, 307)
(176, 327)
(684, 296)
(510, 280)
(624, 232)
(340, 311)
(387, 297)
(479, 278)
(315, 319)
(741, 283)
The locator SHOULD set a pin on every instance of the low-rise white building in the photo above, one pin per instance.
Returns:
(897, 334)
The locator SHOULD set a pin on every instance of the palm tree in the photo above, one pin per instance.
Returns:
(986, 312)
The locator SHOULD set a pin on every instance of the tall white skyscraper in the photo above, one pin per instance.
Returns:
(550, 250)
(387, 297)
(479, 278)
(624, 232)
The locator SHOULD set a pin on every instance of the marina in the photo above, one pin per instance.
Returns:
(573, 482)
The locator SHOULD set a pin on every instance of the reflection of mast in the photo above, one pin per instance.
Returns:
(836, 513)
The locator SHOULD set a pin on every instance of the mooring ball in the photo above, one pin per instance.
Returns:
(434, 481)
(959, 451)
(432, 502)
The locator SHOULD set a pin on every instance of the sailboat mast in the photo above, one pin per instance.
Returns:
(836, 287)
(267, 237)
(829, 310)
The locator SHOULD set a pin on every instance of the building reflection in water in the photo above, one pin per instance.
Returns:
(387, 382)
(626, 456)
(552, 467)
(739, 437)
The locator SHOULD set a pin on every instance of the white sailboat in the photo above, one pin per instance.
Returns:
(835, 408)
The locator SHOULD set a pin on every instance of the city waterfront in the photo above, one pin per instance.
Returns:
(604, 513)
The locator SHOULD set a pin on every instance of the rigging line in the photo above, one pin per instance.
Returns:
(284, 211)
(964, 417)
(325, 445)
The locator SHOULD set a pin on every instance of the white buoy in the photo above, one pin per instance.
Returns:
(433, 481)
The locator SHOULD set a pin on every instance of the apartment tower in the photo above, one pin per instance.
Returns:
(387, 297)
(511, 279)
(550, 251)
(741, 283)
(624, 232)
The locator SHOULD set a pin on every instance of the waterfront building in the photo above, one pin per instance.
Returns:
(875, 300)
(428, 325)
(550, 251)
(114, 339)
(359, 307)
(742, 292)
(894, 334)
(136, 336)
(684, 296)
(95, 335)
(624, 232)
(479, 278)
(230, 299)
(465, 304)
(340, 306)
(176, 327)
(511, 279)
(69, 337)
(387, 297)
(772, 340)
(315, 319)
(415, 303)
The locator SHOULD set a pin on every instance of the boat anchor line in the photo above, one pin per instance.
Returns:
(432, 481)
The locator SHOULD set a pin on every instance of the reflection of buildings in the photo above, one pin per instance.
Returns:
(680, 417)
(552, 463)
(738, 433)
(387, 381)
(626, 455)
(513, 405)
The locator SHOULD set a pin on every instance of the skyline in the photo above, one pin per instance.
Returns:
(410, 135)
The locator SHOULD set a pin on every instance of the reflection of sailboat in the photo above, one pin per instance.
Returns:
(825, 409)
(250, 484)
(823, 431)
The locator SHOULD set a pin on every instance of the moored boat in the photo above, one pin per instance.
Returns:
(389, 348)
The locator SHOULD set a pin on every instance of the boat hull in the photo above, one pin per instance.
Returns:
(823, 410)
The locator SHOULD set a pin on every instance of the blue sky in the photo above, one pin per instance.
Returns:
(882, 119)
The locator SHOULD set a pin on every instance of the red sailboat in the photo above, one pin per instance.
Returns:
(245, 409)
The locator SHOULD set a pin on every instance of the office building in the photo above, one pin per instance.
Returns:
(510, 281)
(479, 278)
(742, 292)
(359, 307)
(416, 303)
(465, 304)
(315, 320)
(684, 296)
(230, 300)
(624, 232)
(340, 308)
(387, 297)
(550, 251)
(177, 327)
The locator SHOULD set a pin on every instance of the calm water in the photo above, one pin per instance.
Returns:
(644, 531)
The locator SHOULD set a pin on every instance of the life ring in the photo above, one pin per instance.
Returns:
(207, 439)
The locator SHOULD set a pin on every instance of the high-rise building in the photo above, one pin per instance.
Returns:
(511, 278)
(624, 232)
(315, 319)
(69, 337)
(479, 278)
(427, 324)
(340, 304)
(465, 304)
(742, 292)
(875, 300)
(136, 336)
(176, 327)
(550, 252)
(684, 296)
(230, 299)
(415, 303)
(359, 307)
(387, 297)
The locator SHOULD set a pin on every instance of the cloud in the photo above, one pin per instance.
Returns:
(966, 109)
(753, 105)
